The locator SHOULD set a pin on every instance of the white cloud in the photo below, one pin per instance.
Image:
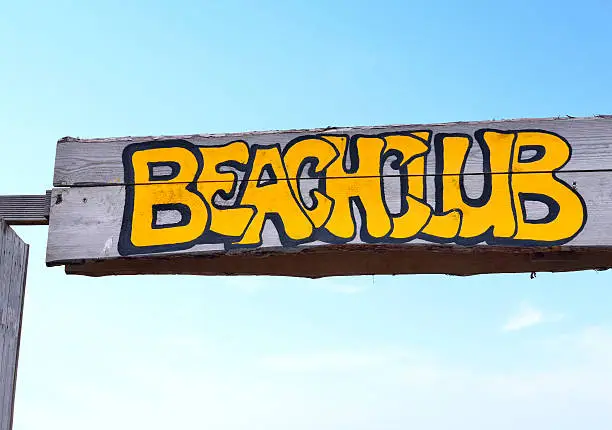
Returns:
(526, 317)
(529, 316)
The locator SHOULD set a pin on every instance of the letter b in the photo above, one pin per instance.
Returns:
(163, 210)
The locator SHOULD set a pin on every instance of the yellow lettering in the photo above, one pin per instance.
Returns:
(534, 179)
(156, 193)
(321, 153)
(365, 183)
(226, 221)
(493, 209)
(412, 149)
(272, 195)
(443, 226)
(178, 194)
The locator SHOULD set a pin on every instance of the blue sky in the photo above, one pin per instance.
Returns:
(424, 352)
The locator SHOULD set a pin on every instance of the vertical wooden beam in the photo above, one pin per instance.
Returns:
(13, 268)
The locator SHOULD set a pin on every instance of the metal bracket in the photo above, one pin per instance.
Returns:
(25, 210)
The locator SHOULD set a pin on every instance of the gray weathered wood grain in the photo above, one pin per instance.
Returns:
(25, 209)
(85, 221)
(13, 266)
(361, 260)
(98, 161)
(87, 213)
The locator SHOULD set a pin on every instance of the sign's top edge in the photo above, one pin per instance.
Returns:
(330, 129)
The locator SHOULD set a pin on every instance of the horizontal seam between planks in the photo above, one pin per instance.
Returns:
(121, 184)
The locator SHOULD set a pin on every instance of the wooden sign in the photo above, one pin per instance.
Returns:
(462, 198)
(13, 266)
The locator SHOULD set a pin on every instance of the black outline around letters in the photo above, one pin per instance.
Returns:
(310, 166)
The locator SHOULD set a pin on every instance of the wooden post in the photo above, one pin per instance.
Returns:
(13, 267)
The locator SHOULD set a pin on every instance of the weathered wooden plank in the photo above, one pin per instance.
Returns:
(525, 185)
(361, 260)
(568, 208)
(25, 209)
(13, 267)
(99, 161)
